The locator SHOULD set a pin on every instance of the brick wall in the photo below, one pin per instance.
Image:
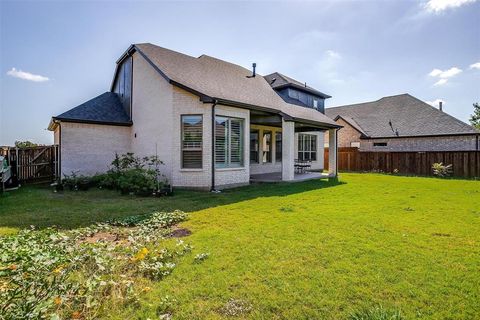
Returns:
(348, 134)
(439, 143)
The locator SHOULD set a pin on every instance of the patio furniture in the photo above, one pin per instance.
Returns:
(302, 165)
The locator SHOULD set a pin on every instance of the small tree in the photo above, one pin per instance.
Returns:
(475, 117)
(25, 144)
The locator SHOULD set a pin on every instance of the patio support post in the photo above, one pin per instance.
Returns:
(288, 150)
(332, 152)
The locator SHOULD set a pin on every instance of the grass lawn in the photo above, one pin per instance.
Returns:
(305, 250)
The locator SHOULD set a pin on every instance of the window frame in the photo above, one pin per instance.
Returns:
(182, 149)
(228, 164)
(264, 141)
(277, 152)
(302, 143)
(257, 131)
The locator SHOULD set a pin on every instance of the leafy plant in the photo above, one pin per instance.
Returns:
(48, 273)
(441, 170)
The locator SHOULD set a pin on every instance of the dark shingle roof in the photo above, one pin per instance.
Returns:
(226, 81)
(278, 81)
(408, 116)
(105, 108)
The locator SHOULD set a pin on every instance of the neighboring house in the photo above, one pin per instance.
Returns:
(401, 123)
(211, 122)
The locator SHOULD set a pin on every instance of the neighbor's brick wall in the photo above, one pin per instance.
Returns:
(446, 143)
(88, 149)
(346, 135)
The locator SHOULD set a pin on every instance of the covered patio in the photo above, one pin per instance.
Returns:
(280, 144)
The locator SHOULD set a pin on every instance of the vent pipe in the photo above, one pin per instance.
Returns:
(254, 66)
(440, 105)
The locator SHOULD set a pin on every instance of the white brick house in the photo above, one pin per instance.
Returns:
(212, 123)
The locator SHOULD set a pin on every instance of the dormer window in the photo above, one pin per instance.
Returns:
(315, 103)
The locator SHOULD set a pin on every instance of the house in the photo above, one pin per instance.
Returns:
(401, 123)
(214, 124)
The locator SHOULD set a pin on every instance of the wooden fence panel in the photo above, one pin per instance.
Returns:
(464, 163)
(34, 164)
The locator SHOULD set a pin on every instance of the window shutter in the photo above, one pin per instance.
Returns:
(192, 134)
(221, 129)
(236, 135)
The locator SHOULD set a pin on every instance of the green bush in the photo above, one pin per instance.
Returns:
(127, 173)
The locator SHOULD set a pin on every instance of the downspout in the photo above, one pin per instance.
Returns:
(213, 146)
(336, 152)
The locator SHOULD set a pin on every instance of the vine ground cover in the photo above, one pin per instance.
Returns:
(370, 247)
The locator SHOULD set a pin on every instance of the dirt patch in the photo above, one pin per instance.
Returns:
(104, 237)
(180, 233)
(439, 234)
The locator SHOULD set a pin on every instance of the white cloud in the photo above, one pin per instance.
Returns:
(444, 75)
(26, 75)
(435, 102)
(475, 65)
(438, 6)
(440, 82)
(333, 54)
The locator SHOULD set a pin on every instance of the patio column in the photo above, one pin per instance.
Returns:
(332, 152)
(288, 150)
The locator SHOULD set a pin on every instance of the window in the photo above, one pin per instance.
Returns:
(315, 103)
(254, 145)
(228, 142)
(307, 147)
(355, 144)
(267, 146)
(278, 147)
(379, 144)
(192, 132)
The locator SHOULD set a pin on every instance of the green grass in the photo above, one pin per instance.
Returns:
(401, 245)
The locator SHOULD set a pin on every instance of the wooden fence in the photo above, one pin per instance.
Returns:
(34, 164)
(464, 163)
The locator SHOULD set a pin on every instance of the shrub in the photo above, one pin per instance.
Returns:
(440, 170)
(127, 173)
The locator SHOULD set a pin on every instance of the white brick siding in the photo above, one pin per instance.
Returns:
(90, 148)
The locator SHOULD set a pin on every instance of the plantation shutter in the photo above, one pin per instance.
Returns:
(192, 134)
(228, 142)
(221, 141)
(236, 142)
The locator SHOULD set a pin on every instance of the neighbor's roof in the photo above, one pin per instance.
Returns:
(105, 108)
(224, 81)
(279, 81)
(408, 116)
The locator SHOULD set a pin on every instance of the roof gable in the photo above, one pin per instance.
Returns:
(105, 108)
(279, 81)
(400, 116)
(225, 81)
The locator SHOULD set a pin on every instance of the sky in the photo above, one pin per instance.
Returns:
(56, 55)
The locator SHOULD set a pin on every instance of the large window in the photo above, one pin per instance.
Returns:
(192, 132)
(267, 146)
(307, 147)
(254, 146)
(278, 147)
(228, 142)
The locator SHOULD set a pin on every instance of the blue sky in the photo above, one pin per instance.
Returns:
(56, 55)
